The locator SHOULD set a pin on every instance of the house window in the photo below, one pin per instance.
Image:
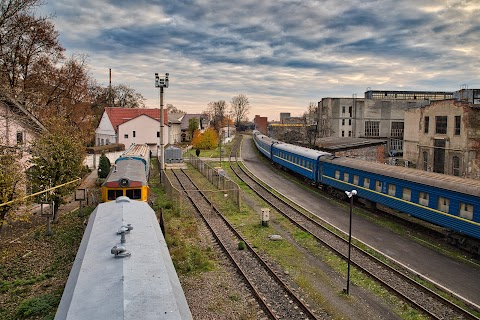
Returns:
(125, 136)
(423, 198)
(425, 160)
(443, 204)
(350, 111)
(349, 133)
(372, 128)
(158, 134)
(427, 123)
(456, 166)
(466, 211)
(349, 122)
(407, 194)
(441, 124)
(20, 137)
(133, 134)
(397, 129)
(343, 110)
(458, 120)
(343, 122)
(343, 133)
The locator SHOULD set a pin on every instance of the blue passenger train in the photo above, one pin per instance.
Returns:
(447, 201)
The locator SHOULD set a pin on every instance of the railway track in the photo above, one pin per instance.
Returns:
(395, 279)
(277, 299)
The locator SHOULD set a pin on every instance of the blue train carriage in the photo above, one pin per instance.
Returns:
(301, 160)
(447, 201)
(264, 143)
(116, 279)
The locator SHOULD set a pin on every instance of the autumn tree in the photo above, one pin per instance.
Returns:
(12, 185)
(57, 158)
(240, 107)
(209, 139)
(197, 139)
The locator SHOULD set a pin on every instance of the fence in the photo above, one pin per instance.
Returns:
(218, 179)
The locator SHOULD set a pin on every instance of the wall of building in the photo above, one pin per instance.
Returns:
(142, 129)
(261, 124)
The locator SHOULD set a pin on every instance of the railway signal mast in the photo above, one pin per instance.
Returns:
(161, 83)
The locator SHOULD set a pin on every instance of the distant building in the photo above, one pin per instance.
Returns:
(131, 125)
(261, 124)
(444, 136)
(379, 115)
(202, 125)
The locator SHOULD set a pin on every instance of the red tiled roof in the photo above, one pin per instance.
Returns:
(118, 116)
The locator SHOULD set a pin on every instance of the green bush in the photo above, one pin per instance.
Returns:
(103, 166)
(241, 245)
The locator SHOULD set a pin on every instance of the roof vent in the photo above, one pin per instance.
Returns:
(122, 199)
(120, 252)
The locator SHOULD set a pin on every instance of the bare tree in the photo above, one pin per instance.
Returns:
(310, 121)
(240, 108)
(216, 110)
(172, 109)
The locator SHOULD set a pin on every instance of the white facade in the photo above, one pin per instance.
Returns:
(105, 133)
(142, 130)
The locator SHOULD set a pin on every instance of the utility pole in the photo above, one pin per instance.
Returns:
(161, 83)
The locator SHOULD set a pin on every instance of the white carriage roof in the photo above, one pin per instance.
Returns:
(144, 285)
(305, 152)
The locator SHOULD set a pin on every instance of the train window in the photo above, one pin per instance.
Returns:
(346, 176)
(366, 182)
(134, 194)
(337, 174)
(392, 189)
(355, 179)
(466, 211)
(406, 194)
(443, 204)
(114, 194)
(423, 198)
(378, 186)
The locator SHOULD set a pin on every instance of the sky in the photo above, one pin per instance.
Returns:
(281, 54)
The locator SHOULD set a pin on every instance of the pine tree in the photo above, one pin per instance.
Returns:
(103, 166)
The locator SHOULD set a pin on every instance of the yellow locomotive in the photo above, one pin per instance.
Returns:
(129, 175)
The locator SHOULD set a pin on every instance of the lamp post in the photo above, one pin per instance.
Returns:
(161, 83)
(350, 194)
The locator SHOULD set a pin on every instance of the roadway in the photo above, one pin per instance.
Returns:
(459, 277)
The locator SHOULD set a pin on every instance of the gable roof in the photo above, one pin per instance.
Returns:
(118, 116)
(24, 114)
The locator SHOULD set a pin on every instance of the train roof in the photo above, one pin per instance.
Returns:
(138, 151)
(143, 285)
(131, 169)
(302, 151)
(265, 138)
(453, 183)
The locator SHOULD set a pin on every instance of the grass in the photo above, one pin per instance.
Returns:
(35, 268)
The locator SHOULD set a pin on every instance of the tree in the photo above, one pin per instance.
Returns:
(240, 108)
(172, 109)
(57, 158)
(197, 139)
(311, 130)
(216, 111)
(126, 97)
(209, 139)
(103, 166)
(12, 184)
(192, 126)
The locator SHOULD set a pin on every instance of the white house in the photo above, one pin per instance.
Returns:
(129, 125)
(18, 127)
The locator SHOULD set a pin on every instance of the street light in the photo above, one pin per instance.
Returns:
(350, 194)
(161, 83)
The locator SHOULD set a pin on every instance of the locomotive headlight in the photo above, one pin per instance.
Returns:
(124, 182)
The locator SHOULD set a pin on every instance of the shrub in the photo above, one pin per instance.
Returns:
(103, 166)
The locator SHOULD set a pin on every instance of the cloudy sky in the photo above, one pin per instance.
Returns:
(282, 54)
